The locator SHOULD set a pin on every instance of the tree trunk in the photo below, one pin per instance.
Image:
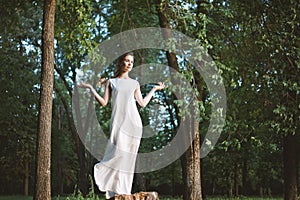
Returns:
(245, 175)
(139, 182)
(193, 181)
(173, 181)
(236, 181)
(183, 162)
(26, 169)
(80, 149)
(190, 161)
(165, 23)
(290, 167)
(43, 184)
(261, 191)
(269, 192)
(26, 177)
(83, 179)
(229, 186)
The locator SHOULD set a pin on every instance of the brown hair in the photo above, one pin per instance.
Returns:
(120, 64)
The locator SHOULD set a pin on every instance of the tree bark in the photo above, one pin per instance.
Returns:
(193, 182)
(193, 162)
(290, 167)
(139, 182)
(83, 183)
(190, 161)
(26, 177)
(43, 182)
(245, 187)
(167, 33)
(236, 180)
(26, 170)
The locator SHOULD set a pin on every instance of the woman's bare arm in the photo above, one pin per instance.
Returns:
(102, 100)
(144, 101)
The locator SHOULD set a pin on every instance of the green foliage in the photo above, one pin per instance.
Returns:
(74, 26)
(122, 16)
(19, 55)
(77, 194)
(64, 168)
(254, 44)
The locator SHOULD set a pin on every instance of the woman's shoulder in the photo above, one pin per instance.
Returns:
(125, 79)
(134, 81)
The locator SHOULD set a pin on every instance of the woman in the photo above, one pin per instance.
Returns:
(114, 173)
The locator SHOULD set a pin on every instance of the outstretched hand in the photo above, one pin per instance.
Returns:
(85, 85)
(89, 86)
(159, 86)
(101, 81)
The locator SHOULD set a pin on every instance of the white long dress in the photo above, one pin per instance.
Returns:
(114, 173)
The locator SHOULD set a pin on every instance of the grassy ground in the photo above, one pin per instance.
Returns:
(161, 198)
(243, 198)
(15, 198)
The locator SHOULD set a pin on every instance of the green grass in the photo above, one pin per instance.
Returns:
(161, 198)
(15, 198)
(242, 198)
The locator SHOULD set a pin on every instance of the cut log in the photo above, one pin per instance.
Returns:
(138, 196)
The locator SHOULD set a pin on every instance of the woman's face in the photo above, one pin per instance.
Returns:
(128, 63)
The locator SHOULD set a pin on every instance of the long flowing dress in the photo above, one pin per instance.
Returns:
(114, 173)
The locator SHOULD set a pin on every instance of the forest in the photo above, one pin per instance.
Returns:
(253, 45)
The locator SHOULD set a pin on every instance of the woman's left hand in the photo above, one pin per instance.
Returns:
(159, 86)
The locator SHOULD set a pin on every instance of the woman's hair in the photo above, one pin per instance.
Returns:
(120, 64)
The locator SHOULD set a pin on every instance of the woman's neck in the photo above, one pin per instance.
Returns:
(124, 76)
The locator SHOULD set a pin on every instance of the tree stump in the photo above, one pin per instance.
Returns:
(138, 196)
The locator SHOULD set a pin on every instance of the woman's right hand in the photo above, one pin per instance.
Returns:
(101, 81)
(102, 100)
